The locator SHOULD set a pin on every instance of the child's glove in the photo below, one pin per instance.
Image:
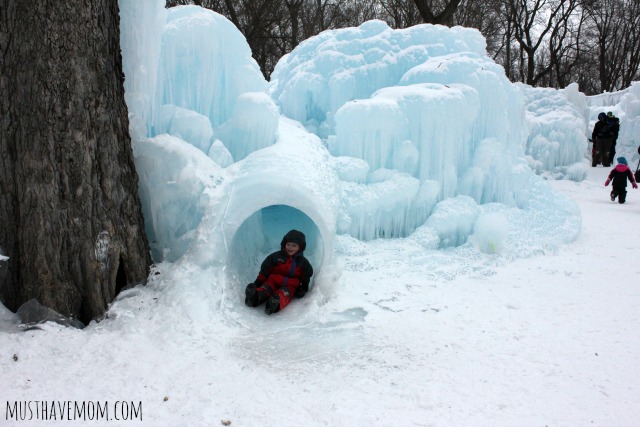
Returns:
(606, 183)
(634, 185)
(302, 290)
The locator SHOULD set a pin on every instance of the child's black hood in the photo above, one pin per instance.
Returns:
(294, 236)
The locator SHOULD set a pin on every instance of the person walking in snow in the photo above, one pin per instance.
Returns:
(283, 275)
(614, 125)
(602, 138)
(619, 176)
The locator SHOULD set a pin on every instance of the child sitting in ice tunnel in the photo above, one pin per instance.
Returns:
(619, 175)
(283, 274)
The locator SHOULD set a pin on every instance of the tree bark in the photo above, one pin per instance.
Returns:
(70, 216)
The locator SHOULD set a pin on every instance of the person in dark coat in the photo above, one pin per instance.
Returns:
(283, 275)
(614, 125)
(619, 175)
(602, 138)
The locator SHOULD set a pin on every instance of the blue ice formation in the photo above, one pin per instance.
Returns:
(367, 131)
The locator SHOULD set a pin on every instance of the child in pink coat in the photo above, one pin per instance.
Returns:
(619, 175)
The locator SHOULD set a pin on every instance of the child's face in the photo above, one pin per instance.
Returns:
(291, 248)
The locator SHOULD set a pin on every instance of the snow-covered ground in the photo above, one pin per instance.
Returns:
(468, 341)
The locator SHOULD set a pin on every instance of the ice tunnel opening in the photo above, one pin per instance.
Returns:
(260, 235)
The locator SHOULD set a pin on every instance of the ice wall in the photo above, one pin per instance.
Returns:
(429, 114)
(238, 215)
(328, 70)
(205, 63)
(423, 154)
(141, 24)
(500, 106)
(176, 182)
(629, 109)
(405, 127)
(205, 109)
(607, 99)
(404, 134)
(253, 125)
(557, 121)
(185, 124)
(187, 66)
(421, 119)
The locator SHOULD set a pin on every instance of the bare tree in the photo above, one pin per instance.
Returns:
(428, 12)
(534, 24)
(401, 13)
(355, 12)
(631, 70)
(616, 24)
(566, 51)
(294, 7)
(319, 15)
(71, 218)
(486, 16)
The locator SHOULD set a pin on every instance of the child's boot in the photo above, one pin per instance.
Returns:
(622, 197)
(273, 305)
(254, 296)
(251, 295)
(613, 195)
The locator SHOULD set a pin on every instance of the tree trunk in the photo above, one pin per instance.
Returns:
(445, 17)
(294, 14)
(70, 216)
